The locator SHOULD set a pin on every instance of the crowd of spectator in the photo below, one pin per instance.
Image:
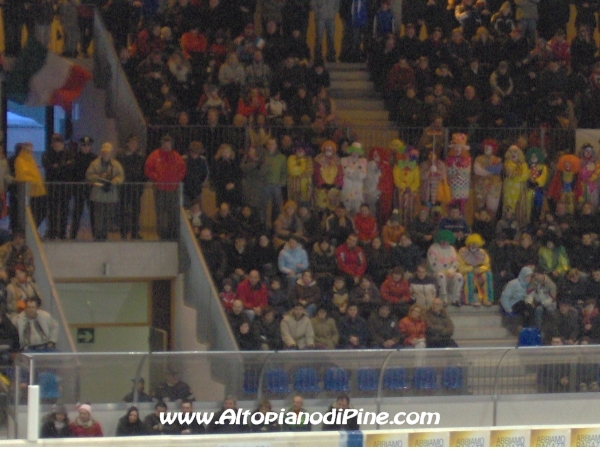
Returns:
(57, 423)
(488, 63)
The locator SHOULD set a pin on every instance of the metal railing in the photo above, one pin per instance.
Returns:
(360, 373)
(551, 141)
(104, 211)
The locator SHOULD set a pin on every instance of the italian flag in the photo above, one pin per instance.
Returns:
(42, 78)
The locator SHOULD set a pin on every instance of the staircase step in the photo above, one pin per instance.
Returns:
(360, 104)
(331, 67)
(357, 114)
(354, 94)
(347, 75)
(478, 343)
(355, 85)
(474, 320)
(481, 333)
(469, 310)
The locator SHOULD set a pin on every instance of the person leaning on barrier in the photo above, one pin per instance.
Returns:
(84, 425)
(265, 407)
(105, 174)
(58, 168)
(342, 402)
(173, 389)
(26, 171)
(302, 422)
(187, 408)
(555, 378)
(56, 424)
(81, 195)
(132, 159)
(217, 426)
(37, 329)
(142, 396)
(130, 424)
(152, 421)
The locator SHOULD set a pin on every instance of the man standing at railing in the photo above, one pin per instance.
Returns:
(81, 194)
(105, 174)
(166, 168)
(58, 164)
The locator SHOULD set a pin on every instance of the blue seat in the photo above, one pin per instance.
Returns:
(251, 378)
(278, 381)
(425, 378)
(395, 379)
(452, 377)
(306, 380)
(367, 379)
(48, 383)
(530, 337)
(336, 380)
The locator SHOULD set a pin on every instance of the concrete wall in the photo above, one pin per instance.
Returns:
(76, 260)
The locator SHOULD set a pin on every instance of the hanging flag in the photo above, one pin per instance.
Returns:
(42, 78)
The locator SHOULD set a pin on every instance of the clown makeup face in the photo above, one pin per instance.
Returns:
(328, 151)
(514, 156)
(587, 152)
(488, 150)
(300, 152)
(534, 159)
(567, 166)
(473, 248)
(376, 157)
(444, 244)
(550, 245)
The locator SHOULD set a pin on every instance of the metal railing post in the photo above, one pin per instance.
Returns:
(380, 382)
(494, 391)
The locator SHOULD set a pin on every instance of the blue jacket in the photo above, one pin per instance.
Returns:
(290, 259)
(384, 24)
(516, 290)
(359, 14)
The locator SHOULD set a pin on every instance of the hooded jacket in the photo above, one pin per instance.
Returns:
(310, 293)
(292, 261)
(298, 333)
(516, 290)
(326, 332)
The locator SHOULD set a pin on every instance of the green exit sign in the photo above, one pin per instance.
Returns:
(85, 335)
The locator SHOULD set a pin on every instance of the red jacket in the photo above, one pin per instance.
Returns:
(395, 292)
(351, 261)
(191, 43)
(366, 227)
(165, 167)
(247, 109)
(411, 329)
(92, 431)
(252, 297)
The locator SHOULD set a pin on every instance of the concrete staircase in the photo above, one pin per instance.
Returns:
(480, 327)
(360, 105)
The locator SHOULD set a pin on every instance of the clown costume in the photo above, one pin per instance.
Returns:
(354, 168)
(474, 265)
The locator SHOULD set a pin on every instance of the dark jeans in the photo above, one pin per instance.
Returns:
(81, 197)
(167, 214)
(58, 210)
(103, 213)
(86, 25)
(129, 210)
(38, 209)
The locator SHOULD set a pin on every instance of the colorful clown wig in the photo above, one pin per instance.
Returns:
(541, 157)
(572, 160)
(445, 236)
(474, 239)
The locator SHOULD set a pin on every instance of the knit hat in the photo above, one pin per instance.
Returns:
(85, 407)
(59, 408)
(445, 236)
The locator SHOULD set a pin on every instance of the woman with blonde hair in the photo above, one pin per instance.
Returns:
(288, 224)
(412, 327)
(26, 171)
(226, 177)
